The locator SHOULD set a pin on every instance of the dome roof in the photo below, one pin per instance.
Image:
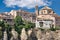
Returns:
(46, 7)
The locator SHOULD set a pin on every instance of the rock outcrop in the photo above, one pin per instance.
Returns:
(38, 34)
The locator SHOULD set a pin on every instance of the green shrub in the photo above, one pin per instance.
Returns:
(53, 29)
(41, 29)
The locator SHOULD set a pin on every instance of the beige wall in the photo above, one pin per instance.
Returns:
(57, 21)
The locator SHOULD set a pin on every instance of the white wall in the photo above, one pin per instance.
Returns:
(46, 24)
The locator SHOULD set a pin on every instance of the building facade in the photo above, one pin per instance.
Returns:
(44, 18)
(9, 17)
(47, 18)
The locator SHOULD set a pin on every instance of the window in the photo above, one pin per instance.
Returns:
(45, 11)
(52, 25)
(41, 24)
(41, 12)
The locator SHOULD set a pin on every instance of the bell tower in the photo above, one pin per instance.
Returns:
(36, 9)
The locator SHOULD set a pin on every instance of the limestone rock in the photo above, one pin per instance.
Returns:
(29, 32)
(38, 34)
(23, 34)
(5, 35)
(14, 34)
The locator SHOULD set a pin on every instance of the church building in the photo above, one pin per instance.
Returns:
(46, 18)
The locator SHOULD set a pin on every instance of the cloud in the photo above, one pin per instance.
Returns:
(26, 3)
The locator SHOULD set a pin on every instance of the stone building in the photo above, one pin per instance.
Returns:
(44, 17)
(9, 17)
(47, 18)
(24, 14)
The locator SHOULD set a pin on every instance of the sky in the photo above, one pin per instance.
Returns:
(28, 5)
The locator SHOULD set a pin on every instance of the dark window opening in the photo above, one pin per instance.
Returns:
(41, 24)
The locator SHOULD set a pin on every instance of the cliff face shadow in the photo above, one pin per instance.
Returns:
(32, 36)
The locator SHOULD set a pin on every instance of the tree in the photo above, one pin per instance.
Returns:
(5, 26)
(1, 29)
(18, 21)
(8, 29)
(19, 24)
(29, 25)
(2, 25)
